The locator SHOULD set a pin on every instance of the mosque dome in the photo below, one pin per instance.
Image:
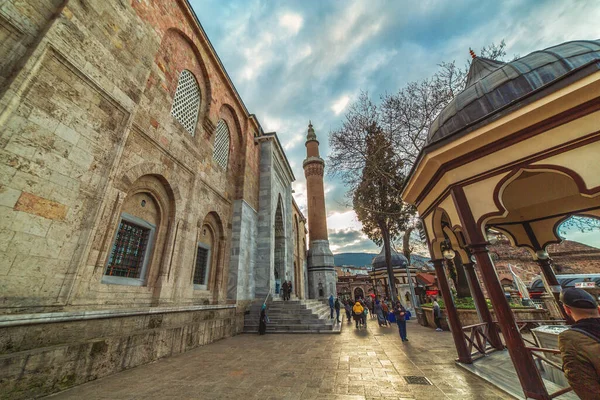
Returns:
(398, 260)
(494, 88)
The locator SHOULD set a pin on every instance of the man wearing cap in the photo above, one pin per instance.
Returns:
(580, 345)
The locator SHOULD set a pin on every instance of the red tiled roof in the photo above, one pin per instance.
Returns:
(426, 279)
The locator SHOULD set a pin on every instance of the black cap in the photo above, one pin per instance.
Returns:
(578, 298)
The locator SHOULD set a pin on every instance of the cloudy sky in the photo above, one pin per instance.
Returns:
(292, 61)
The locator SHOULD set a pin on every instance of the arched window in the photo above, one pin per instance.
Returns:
(206, 265)
(203, 258)
(132, 246)
(186, 103)
(221, 151)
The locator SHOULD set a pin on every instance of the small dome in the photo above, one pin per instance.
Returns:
(398, 260)
(495, 89)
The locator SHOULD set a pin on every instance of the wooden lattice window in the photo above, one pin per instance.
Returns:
(221, 150)
(130, 251)
(202, 266)
(186, 103)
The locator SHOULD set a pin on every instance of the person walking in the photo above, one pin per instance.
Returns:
(400, 313)
(385, 309)
(337, 310)
(357, 312)
(331, 305)
(348, 308)
(378, 311)
(262, 325)
(580, 345)
(289, 294)
(437, 315)
(284, 290)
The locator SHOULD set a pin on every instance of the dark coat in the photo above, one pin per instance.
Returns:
(580, 350)
(400, 312)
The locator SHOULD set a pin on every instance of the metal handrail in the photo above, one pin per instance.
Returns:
(267, 298)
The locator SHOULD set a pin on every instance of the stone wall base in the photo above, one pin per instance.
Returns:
(52, 352)
(322, 278)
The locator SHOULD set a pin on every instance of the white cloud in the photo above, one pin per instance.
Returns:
(340, 104)
(343, 220)
(291, 22)
(293, 142)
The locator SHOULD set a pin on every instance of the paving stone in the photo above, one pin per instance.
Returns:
(352, 365)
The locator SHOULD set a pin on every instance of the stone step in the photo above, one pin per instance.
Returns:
(293, 316)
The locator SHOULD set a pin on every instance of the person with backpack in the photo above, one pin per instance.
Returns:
(580, 345)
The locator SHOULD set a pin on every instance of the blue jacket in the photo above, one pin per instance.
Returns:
(331, 301)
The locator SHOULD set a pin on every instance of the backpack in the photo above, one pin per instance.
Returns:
(586, 333)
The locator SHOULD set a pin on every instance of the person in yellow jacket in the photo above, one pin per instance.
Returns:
(358, 311)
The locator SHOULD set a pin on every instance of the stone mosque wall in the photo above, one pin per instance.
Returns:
(129, 191)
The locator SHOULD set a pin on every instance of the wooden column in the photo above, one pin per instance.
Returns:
(528, 374)
(481, 304)
(455, 326)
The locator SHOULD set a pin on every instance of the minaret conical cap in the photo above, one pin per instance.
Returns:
(311, 132)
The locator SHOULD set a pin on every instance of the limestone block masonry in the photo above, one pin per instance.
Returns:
(142, 207)
(321, 272)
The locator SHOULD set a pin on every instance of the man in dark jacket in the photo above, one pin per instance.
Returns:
(284, 290)
(580, 345)
(400, 314)
(337, 307)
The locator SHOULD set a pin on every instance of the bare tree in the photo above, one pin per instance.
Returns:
(403, 120)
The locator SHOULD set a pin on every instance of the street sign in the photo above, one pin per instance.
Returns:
(583, 285)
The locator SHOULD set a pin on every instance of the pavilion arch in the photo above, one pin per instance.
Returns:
(456, 244)
(534, 200)
(441, 227)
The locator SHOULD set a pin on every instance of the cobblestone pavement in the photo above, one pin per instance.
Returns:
(366, 364)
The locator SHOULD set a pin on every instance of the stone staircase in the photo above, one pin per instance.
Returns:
(292, 316)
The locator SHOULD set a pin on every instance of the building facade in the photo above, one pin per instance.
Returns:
(300, 231)
(142, 207)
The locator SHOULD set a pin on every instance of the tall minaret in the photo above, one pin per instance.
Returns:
(322, 278)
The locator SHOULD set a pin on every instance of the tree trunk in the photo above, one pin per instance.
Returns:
(388, 260)
(406, 250)
(461, 284)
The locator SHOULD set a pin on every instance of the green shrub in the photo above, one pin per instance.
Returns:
(467, 303)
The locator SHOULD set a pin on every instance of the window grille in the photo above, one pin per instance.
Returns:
(201, 271)
(186, 103)
(221, 151)
(129, 250)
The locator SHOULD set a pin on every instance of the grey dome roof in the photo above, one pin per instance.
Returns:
(398, 260)
(494, 86)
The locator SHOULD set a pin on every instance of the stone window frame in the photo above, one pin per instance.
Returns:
(120, 280)
(208, 266)
(222, 145)
(185, 101)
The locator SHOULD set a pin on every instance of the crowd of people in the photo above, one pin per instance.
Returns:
(384, 310)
